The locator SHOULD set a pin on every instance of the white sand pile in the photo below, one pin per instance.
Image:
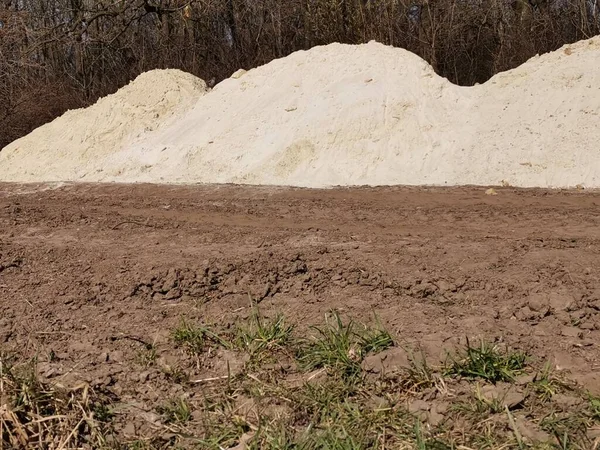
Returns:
(72, 146)
(334, 115)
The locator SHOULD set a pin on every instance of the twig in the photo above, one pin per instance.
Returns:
(17, 434)
(136, 339)
(71, 434)
(513, 425)
(254, 377)
(46, 419)
(52, 332)
(135, 222)
(206, 380)
(316, 374)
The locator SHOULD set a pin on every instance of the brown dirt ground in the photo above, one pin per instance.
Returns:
(85, 270)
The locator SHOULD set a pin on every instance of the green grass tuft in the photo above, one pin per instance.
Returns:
(375, 341)
(175, 411)
(196, 338)
(488, 362)
(342, 347)
(147, 356)
(333, 347)
(594, 405)
(546, 385)
(262, 335)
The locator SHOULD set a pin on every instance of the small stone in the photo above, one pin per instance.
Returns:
(444, 286)
(525, 314)
(173, 294)
(102, 381)
(376, 402)
(530, 431)
(441, 408)
(171, 281)
(435, 418)
(144, 376)
(586, 343)
(561, 302)
(229, 362)
(103, 357)
(372, 364)
(129, 429)
(417, 406)
(151, 417)
(238, 74)
(513, 400)
(51, 372)
(593, 433)
(424, 290)
(491, 392)
(588, 325)
(158, 297)
(537, 302)
(391, 360)
(116, 356)
(566, 401)
(595, 304)
(508, 398)
(524, 380)
(571, 332)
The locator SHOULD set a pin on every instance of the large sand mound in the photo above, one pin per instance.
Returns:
(72, 146)
(334, 115)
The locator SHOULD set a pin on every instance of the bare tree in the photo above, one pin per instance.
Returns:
(60, 54)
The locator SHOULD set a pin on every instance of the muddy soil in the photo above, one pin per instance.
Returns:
(89, 274)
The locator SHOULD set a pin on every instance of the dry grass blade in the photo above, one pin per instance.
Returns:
(70, 436)
(17, 435)
(207, 380)
(38, 415)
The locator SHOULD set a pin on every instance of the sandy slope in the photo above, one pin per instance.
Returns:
(334, 115)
